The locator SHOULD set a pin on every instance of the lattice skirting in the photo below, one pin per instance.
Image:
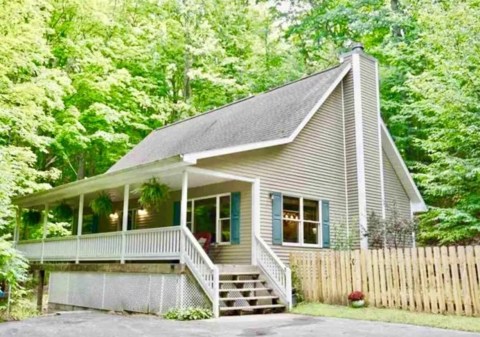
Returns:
(147, 293)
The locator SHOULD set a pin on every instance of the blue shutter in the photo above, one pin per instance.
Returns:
(176, 213)
(326, 223)
(95, 221)
(277, 228)
(235, 218)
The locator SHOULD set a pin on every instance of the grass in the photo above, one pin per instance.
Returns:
(391, 315)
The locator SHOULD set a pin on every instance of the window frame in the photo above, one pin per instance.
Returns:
(218, 224)
(302, 221)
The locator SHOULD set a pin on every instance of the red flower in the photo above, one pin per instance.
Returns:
(356, 296)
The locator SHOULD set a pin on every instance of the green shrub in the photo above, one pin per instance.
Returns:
(189, 314)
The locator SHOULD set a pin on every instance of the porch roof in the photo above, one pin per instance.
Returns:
(103, 181)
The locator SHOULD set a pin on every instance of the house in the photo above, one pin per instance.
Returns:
(282, 171)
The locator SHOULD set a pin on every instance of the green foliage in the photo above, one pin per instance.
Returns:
(63, 212)
(153, 194)
(32, 217)
(13, 266)
(297, 284)
(102, 204)
(189, 314)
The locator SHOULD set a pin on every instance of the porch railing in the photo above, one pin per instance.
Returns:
(278, 274)
(202, 267)
(157, 243)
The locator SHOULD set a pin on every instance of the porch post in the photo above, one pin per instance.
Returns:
(255, 218)
(79, 225)
(183, 214)
(44, 232)
(16, 230)
(126, 196)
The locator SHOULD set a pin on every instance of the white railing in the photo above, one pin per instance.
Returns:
(202, 268)
(157, 243)
(277, 273)
(103, 246)
(150, 243)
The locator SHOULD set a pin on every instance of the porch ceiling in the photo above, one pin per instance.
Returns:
(170, 173)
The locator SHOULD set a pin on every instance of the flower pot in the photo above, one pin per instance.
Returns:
(358, 304)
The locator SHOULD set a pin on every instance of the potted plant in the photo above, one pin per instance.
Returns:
(356, 299)
(153, 194)
(102, 204)
(63, 211)
(32, 217)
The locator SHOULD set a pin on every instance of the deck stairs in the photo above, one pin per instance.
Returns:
(244, 290)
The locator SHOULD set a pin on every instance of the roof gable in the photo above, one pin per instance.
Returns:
(276, 114)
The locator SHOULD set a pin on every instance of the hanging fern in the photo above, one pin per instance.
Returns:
(32, 217)
(63, 211)
(153, 194)
(102, 204)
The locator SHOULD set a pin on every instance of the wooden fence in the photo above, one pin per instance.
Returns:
(431, 279)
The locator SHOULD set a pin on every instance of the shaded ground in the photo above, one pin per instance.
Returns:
(98, 324)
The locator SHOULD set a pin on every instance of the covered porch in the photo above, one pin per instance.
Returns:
(200, 202)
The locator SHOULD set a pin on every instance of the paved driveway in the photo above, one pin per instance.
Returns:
(97, 324)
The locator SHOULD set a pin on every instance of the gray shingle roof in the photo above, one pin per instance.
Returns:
(272, 115)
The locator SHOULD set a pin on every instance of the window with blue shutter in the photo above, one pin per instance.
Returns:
(235, 218)
(326, 223)
(176, 213)
(276, 218)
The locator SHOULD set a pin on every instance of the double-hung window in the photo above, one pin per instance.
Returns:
(301, 221)
(211, 215)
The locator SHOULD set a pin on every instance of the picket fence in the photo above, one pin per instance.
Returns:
(442, 280)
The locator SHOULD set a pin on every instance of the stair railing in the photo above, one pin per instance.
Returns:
(277, 273)
(202, 268)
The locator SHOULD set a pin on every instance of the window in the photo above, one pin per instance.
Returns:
(212, 215)
(301, 221)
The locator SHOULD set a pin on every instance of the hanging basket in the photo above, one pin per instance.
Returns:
(153, 194)
(102, 204)
(32, 217)
(63, 212)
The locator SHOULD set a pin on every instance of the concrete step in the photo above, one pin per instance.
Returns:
(252, 307)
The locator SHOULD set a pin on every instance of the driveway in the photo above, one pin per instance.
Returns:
(98, 324)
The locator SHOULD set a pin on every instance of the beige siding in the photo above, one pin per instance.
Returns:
(226, 254)
(394, 191)
(311, 166)
(371, 141)
(351, 153)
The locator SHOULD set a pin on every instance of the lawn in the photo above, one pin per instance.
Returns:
(391, 315)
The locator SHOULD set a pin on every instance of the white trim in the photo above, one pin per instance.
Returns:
(416, 200)
(218, 174)
(255, 196)
(126, 199)
(259, 145)
(362, 197)
(345, 166)
(380, 150)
